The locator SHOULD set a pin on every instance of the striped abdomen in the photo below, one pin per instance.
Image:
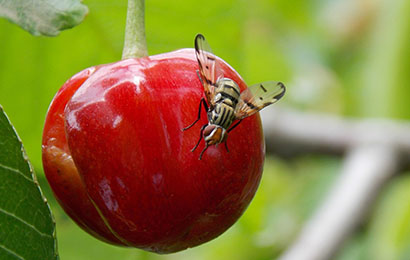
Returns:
(225, 100)
(222, 115)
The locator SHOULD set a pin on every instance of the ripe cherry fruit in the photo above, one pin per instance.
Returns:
(120, 166)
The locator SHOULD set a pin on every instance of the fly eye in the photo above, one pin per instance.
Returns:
(208, 130)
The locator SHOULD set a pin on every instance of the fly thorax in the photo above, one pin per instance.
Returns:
(229, 102)
(218, 98)
(227, 89)
(214, 134)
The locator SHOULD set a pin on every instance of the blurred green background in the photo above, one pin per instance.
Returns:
(345, 57)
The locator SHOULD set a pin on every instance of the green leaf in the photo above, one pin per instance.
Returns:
(389, 229)
(43, 17)
(27, 228)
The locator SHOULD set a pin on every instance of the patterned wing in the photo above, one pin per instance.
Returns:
(258, 96)
(209, 71)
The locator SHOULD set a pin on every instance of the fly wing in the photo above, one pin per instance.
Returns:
(209, 71)
(258, 96)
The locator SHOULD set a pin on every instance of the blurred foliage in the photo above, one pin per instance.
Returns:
(43, 17)
(346, 57)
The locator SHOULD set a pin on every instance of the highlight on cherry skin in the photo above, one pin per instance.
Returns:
(122, 169)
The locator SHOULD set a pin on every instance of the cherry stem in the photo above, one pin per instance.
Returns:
(135, 45)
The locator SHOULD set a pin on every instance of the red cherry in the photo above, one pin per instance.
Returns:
(120, 165)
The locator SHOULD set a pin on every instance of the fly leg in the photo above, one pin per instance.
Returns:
(226, 145)
(200, 138)
(230, 129)
(235, 125)
(199, 113)
(200, 155)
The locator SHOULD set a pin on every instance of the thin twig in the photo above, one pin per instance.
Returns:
(375, 149)
(365, 170)
(289, 132)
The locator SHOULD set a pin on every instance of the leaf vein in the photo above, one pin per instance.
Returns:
(16, 171)
(24, 222)
(11, 252)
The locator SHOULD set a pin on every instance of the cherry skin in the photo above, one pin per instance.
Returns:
(120, 165)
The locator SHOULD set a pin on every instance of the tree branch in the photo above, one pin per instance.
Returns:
(365, 170)
(289, 133)
(375, 149)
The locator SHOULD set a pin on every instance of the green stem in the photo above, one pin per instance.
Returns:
(135, 45)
